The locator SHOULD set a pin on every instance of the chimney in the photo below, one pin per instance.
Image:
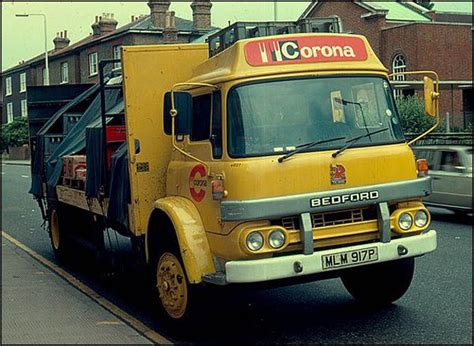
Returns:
(170, 33)
(201, 14)
(432, 15)
(104, 24)
(158, 10)
(61, 41)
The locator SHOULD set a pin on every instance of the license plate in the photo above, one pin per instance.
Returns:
(348, 258)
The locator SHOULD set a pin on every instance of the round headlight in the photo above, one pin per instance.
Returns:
(405, 221)
(277, 239)
(421, 218)
(255, 241)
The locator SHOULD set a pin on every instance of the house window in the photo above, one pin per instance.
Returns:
(24, 108)
(22, 82)
(8, 86)
(93, 64)
(64, 73)
(117, 56)
(399, 65)
(9, 112)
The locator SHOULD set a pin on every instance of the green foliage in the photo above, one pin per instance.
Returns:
(425, 3)
(15, 134)
(412, 114)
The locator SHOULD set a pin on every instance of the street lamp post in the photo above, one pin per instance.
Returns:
(46, 80)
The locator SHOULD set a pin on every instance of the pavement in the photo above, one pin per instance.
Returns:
(17, 162)
(38, 306)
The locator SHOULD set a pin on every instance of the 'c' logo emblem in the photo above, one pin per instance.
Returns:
(198, 183)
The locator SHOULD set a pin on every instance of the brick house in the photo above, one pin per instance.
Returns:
(78, 63)
(407, 37)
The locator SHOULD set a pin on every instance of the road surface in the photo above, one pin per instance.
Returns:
(436, 309)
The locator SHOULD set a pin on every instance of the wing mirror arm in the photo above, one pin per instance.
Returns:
(431, 91)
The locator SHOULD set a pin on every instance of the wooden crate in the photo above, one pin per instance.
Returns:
(71, 164)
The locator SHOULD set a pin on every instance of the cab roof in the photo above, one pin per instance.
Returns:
(286, 54)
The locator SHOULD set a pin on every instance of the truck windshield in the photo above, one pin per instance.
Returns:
(274, 117)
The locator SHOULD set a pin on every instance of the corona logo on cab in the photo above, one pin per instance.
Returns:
(305, 49)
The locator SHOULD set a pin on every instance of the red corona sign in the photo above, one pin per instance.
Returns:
(305, 49)
(198, 182)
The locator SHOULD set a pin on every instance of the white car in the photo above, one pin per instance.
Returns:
(450, 166)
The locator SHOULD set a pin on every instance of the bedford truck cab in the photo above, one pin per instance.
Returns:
(287, 160)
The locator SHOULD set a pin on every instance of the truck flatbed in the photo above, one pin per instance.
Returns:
(77, 198)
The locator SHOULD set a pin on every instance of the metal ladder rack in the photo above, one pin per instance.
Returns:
(104, 114)
(226, 37)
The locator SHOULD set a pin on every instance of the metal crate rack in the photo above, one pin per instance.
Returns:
(244, 30)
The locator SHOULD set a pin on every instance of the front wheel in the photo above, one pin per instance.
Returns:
(178, 298)
(380, 284)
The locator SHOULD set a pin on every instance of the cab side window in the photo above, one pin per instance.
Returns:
(201, 118)
(216, 131)
(207, 125)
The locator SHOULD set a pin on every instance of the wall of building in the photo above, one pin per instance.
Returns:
(144, 39)
(55, 69)
(104, 51)
(444, 48)
(350, 15)
(16, 96)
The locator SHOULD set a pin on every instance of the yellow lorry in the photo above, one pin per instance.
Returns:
(268, 159)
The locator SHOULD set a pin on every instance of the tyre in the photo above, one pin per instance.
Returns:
(176, 297)
(57, 232)
(380, 284)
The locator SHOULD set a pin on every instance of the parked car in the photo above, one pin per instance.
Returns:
(450, 166)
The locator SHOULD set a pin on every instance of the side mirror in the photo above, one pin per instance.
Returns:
(183, 103)
(431, 96)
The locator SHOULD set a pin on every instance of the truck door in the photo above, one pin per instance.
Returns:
(204, 143)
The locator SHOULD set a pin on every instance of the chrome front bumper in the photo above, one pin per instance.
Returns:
(284, 267)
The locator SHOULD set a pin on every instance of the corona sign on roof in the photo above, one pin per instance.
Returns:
(305, 49)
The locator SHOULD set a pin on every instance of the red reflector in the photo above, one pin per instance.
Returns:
(422, 167)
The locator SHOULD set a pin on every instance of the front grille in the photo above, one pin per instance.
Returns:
(332, 218)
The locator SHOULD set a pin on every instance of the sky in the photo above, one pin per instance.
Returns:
(23, 38)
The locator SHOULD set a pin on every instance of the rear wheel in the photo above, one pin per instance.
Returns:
(380, 284)
(57, 232)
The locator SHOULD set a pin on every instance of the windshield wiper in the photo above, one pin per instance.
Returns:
(352, 141)
(347, 102)
(307, 146)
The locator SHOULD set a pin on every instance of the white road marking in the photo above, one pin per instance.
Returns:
(25, 176)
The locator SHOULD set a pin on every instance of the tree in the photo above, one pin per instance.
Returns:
(425, 3)
(15, 134)
(412, 114)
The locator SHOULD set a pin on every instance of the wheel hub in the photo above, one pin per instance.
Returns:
(172, 285)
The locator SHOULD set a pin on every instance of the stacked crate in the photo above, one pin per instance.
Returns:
(74, 170)
(116, 135)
